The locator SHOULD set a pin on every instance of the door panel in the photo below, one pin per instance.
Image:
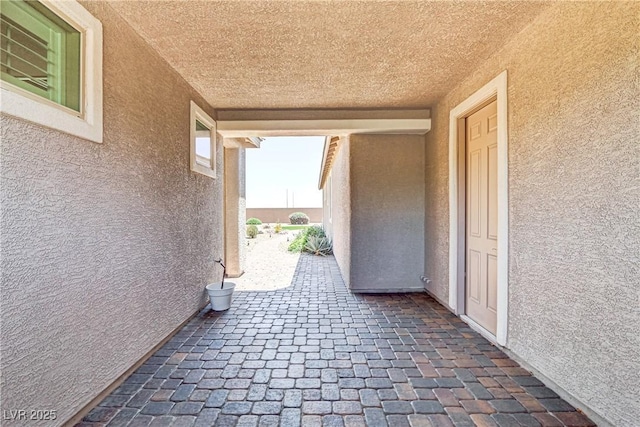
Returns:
(481, 217)
(492, 275)
(475, 276)
(492, 121)
(492, 190)
(475, 205)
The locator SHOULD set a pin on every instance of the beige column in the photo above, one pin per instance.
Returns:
(234, 210)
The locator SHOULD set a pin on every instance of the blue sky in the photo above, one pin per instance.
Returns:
(285, 163)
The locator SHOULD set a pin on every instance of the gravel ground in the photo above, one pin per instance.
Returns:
(268, 265)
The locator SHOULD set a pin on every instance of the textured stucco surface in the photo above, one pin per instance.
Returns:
(387, 202)
(574, 159)
(326, 54)
(340, 227)
(436, 228)
(234, 210)
(106, 248)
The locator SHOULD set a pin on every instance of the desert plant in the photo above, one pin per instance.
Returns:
(318, 246)
(300, 241)
(254, 221)
(298, 218)
(252, 231)
(278, 228)
(315, 231)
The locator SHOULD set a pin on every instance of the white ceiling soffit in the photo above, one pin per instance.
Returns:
(264, 128)
(331, 145)
(252, 142)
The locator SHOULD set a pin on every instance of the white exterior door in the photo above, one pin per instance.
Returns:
(482, 217)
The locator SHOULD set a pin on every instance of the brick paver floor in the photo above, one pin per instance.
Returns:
(314, 354)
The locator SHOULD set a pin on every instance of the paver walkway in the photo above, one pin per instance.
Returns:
(316, 355)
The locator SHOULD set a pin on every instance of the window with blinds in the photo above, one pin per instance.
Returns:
(40, 52)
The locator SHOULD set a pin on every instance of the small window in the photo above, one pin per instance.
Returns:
(40, 52)
(203, 142)
(51, 65)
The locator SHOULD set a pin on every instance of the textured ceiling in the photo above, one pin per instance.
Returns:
(326, 54)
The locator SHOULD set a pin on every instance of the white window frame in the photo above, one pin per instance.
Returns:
(330, 201)
(28, 106)
(198, 114)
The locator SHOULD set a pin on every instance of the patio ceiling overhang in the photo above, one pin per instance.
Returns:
(264, 128)
(301, 54)
(248, 142)
(331, 146)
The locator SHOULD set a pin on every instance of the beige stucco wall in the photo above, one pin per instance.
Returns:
(234, 210)
(387, 202)
(106, 248)
(339, 229)
(574, 158)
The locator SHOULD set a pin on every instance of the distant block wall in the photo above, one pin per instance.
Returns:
(282, 214)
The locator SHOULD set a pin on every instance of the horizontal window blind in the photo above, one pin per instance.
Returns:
(25, 56)
(39, 52)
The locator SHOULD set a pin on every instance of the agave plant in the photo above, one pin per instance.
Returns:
(318, 245)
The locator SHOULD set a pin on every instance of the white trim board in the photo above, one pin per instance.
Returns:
(337, 127)
(197, 114)
(496, 88)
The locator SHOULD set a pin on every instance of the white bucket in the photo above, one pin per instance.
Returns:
(220, 298)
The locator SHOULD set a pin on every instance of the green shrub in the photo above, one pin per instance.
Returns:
(315, 231)
(317, 245)
(253, 221)
(298, 218)
(297, 244)
(252, 231)
(300, 241)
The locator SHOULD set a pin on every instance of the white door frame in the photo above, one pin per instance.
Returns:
(496, 88)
